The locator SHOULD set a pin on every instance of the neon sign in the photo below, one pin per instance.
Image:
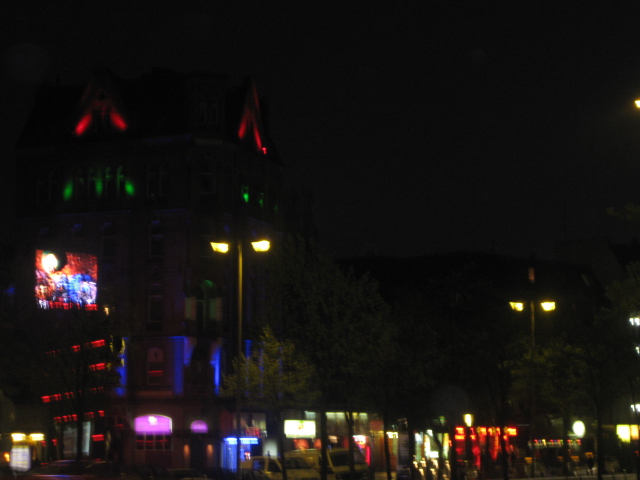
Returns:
(157, 424)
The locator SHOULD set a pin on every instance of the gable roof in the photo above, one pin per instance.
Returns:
(100, 103)
(250, 127)
(155, 104)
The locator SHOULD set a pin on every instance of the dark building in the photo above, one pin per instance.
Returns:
(125, 183)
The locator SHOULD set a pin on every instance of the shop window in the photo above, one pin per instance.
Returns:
(153, 432)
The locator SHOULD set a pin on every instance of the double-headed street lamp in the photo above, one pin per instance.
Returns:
(258, 246)
(546, 306)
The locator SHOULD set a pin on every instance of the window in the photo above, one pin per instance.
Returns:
(207, 175)
(109, 245)
(208, 111)
(156, 308)
(156, 240)
(156, 180)
(155, 366)
(44, 187)
(153, 432)
(77, 231)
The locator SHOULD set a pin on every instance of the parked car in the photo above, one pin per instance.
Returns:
(263, 468)
(338, 461)
(313, 458)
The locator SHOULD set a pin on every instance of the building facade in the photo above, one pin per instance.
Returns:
(122, 187)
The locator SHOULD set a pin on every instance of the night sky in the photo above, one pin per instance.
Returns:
(419, 126)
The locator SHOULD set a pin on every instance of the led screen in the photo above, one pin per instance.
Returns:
(66, 281)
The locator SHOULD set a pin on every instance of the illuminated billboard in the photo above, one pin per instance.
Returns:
(66, 281)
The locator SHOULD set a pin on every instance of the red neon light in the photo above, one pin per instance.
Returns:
(242, 131)
(98, 366)
(101, 413)
(98, 343)
(118, 121)
(83, 124)
(98, 438)
(46, 399)
(256, 136)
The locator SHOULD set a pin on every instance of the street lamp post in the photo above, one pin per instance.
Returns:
(546, 306)
(258, 246)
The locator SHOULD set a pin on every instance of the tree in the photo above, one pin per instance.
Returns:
(611, 371)
(275, 377)
(336, 317)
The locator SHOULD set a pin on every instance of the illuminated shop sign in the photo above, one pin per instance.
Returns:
(198, 426)
(300, 428)
(156, 424)
(66, 281)
(243, 441)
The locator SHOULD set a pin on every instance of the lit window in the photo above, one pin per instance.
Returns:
(153, 432)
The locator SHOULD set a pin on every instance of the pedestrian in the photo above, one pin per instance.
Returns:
(590, 464)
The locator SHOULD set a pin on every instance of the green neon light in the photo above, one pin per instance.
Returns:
(129, 188)
(67, 191)
(99, 187)
(245, 194)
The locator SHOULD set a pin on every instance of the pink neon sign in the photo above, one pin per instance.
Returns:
(157, 424)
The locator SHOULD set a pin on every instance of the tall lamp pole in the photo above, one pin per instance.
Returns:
(259, 246)
(546, 306)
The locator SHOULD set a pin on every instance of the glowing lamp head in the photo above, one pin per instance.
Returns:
(261, 246)
(548, 306)
(220, 247)
(517, 306)
(637, 102)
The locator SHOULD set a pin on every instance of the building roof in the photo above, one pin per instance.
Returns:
(159, 103)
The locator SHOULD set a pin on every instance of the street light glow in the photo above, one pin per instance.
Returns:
(548, 306)
(517, 306)
(261, 246)
(220, 247)
(637, 102)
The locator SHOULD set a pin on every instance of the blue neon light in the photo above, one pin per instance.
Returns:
(178, 365)
(243, 441)
(122, 370)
